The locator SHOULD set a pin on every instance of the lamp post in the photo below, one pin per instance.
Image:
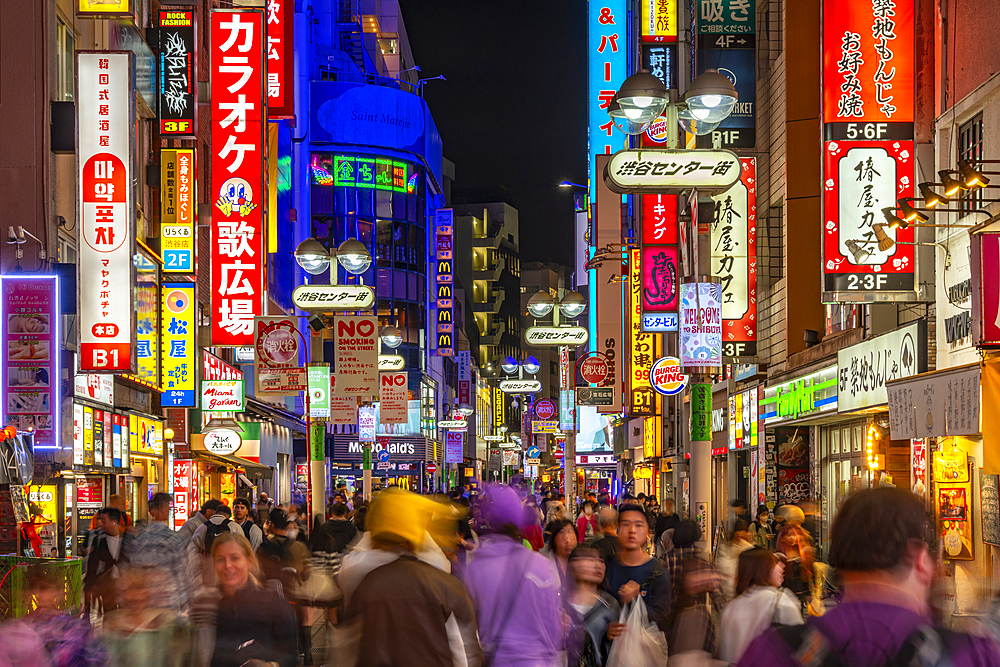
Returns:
(708, 101)
(314, 259)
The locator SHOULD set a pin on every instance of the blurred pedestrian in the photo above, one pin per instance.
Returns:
(241, 517)
(560, 540)
(591, 609)
(804, 576)
(691, 623)
(343, 534)
(632, 572)
(556, 511)
(607, 541)
(665, 520)
(201, 516)
(516, 591)
(254, 626)
(586, 523)
(878, 543)
(264, 507)
(199, 549)
(112, 550)
(141, 631)
(761, 601)
(761, 529)
(728, 556)
(162, 552)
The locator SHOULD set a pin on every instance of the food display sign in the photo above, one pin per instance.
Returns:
(29, 313)
(106, 211)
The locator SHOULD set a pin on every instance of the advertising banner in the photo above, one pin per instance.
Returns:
(734, 262)
(98, 388)
(280, 59)
(31, 375)
(658, 21)
(214, 368)
(106, 213)
(222, 396)
(356, 340)
(343, 409)
(147, 318)
(661, 61)
(792, 457)
(942, 404)
(185, 491)
(444, 283)
(319, 389)
(366, 424)
(739, 130)
(607, 28)
(701, 324)
(985, 260)
(177, 86)
(453, 446)
(610, 298)
(177, 210)
(392, 396)
(278, 348)
(177, 369)
(237, 189)
(145, 435)
(864, 369)
(642, 346)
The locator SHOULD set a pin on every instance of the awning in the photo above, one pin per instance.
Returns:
(260, 409)
(243, 478)
(254, 469)
(936, 404)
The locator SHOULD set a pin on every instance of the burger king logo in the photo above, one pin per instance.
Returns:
(666, 376)
(658, 130)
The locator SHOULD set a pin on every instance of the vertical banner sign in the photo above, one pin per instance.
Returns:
(659, 262)
(868, 162)
(277, 350)
(607, 44)
(343, 409)
(658, 21)
(701, 325)
(642, 346)
(444, 334)
(177, 85)
(29, 313)
(392, 396)
(366, 424)
(105, 274)
(734, 261)
(357, 356)
(464, 358)
(727, 43)
(610, 298)
(237, 174)
(498, 413)
(280, 60)
(701, 413)
(661, 61)
(177, 210)
(318, 376)
(185, 496)
(177, 328)
(453, 446)
(147, 325)
(985, 261)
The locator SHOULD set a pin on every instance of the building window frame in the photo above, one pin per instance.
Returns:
(970, 148)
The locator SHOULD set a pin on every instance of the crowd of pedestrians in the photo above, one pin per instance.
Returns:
(505, 577)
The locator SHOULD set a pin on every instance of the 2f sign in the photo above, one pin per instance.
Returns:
(393, 379)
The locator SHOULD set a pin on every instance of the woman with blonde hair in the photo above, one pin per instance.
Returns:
(254, 626)
(804, 576)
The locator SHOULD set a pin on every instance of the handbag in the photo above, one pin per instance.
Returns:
(641, 644)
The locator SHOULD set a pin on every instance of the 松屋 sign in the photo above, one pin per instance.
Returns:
(237, 189)
(734, 261)
(555, 336)
(670, 171)
(701, 324)
(177, 210)
(106, 212)
(392, 396)
(222, 395)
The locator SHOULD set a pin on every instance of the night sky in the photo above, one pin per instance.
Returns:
(513, 111)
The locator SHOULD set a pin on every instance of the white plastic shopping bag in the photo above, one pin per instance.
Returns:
(641, 644)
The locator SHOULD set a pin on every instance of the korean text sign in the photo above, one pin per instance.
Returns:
(106, 236)
(868, 61)
(237, 190)
(178, 370)
(357, 344)
(29, 315)
(734, 261)
(177, 84)
(280, 58)
(177, 210)
(607, 45)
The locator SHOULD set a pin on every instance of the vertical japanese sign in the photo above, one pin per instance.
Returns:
(177, 328)
(343, 409)
(985, 261)
(465, 396)
(106, 213)
(392, 396)
(185, 492)
(607, 45)
(642, 346)
(280, 58)
(237, 174)
(177, 210)
(658, 21)
(498, 413)
(659, 263)
(177, 84)
(734, 261)
(444, 335)
(78, 451)
(868, 162)
(661, 61)
(29, 315)
(727, 43)
(318, 378)
(610, 306)
(356, 340)
(147, 325)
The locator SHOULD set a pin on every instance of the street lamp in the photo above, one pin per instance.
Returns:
(312, 256)
(391, 336)
(531, 366)
(642, 98)
(354, 256)
(572, 305)
(541, 303)
(711, 97)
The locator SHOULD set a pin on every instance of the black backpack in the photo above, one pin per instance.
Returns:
(926, 647)
(213, 530)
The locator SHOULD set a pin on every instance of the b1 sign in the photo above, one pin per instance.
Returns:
(701, 324)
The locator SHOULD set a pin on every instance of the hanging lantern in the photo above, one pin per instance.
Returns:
(10, 431)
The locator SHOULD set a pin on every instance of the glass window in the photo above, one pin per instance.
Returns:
(383, 204)
(834, 440)
(365, 206)
(65, 47)
(343, 201)
(399, 205)
(859, 432)
(399, 242)
(970, 148)
(383, 243)
(414, 246)
(322, 200)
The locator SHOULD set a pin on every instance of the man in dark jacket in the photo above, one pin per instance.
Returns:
(878, 545)
(112, 550)
(632, 572)
(666, 520)
(342, 532)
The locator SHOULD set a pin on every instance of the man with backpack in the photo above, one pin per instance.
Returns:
(241, 517)
(879, 545)
(200, 547)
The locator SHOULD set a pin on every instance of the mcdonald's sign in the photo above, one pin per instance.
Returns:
(445, 278)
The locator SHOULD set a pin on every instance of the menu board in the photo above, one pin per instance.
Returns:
(989, 494)
(31, 350)
(792, 457)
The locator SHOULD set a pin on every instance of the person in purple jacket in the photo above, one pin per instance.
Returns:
(878, 542)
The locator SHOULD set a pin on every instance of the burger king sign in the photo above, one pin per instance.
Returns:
(666, 376)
